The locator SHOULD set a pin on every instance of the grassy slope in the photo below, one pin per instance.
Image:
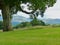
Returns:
(32, 36)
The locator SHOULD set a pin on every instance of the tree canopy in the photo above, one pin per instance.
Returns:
(35, 4)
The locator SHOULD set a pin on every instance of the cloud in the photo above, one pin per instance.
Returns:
(53, 12)
(19, 13)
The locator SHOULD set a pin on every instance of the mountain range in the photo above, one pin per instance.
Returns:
(52, 21)
(18, 19)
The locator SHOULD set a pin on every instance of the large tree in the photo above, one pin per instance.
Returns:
(10, 7)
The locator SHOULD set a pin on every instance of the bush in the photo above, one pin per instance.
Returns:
(55, 25)
(23, 24)
(37, 22)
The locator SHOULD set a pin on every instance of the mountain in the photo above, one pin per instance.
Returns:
(18, 19)
(52, 21)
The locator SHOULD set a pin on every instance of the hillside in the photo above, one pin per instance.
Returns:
(31, 36)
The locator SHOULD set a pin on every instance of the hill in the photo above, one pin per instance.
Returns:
(31, 36)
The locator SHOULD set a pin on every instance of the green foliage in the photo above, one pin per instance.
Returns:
(55, 25)
(36, 22)
(23, 24)
(1, 25)
(36, 4)
(32, 23)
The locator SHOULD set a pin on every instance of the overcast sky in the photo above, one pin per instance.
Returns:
(52, 12)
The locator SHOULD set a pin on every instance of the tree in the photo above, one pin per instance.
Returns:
(10, 7)
(1, 25)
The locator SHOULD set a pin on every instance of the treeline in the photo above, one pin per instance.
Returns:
(32, 23)
(29, 24)
(26, 24)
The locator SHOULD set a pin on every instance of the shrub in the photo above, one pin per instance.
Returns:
(23, 24)
(37, 22)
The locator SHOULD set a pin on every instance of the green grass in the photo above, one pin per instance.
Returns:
(31, 36)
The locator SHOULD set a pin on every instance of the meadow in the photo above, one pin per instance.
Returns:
(31, 36)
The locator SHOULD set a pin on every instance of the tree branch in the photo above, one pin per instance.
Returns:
(28, 12)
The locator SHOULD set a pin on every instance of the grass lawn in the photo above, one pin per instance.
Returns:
(31, 36)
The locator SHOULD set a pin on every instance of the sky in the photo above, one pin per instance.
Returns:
(51, 12)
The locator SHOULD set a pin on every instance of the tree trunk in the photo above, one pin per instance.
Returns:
(6, 19)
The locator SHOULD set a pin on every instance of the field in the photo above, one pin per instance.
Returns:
(31, 36)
